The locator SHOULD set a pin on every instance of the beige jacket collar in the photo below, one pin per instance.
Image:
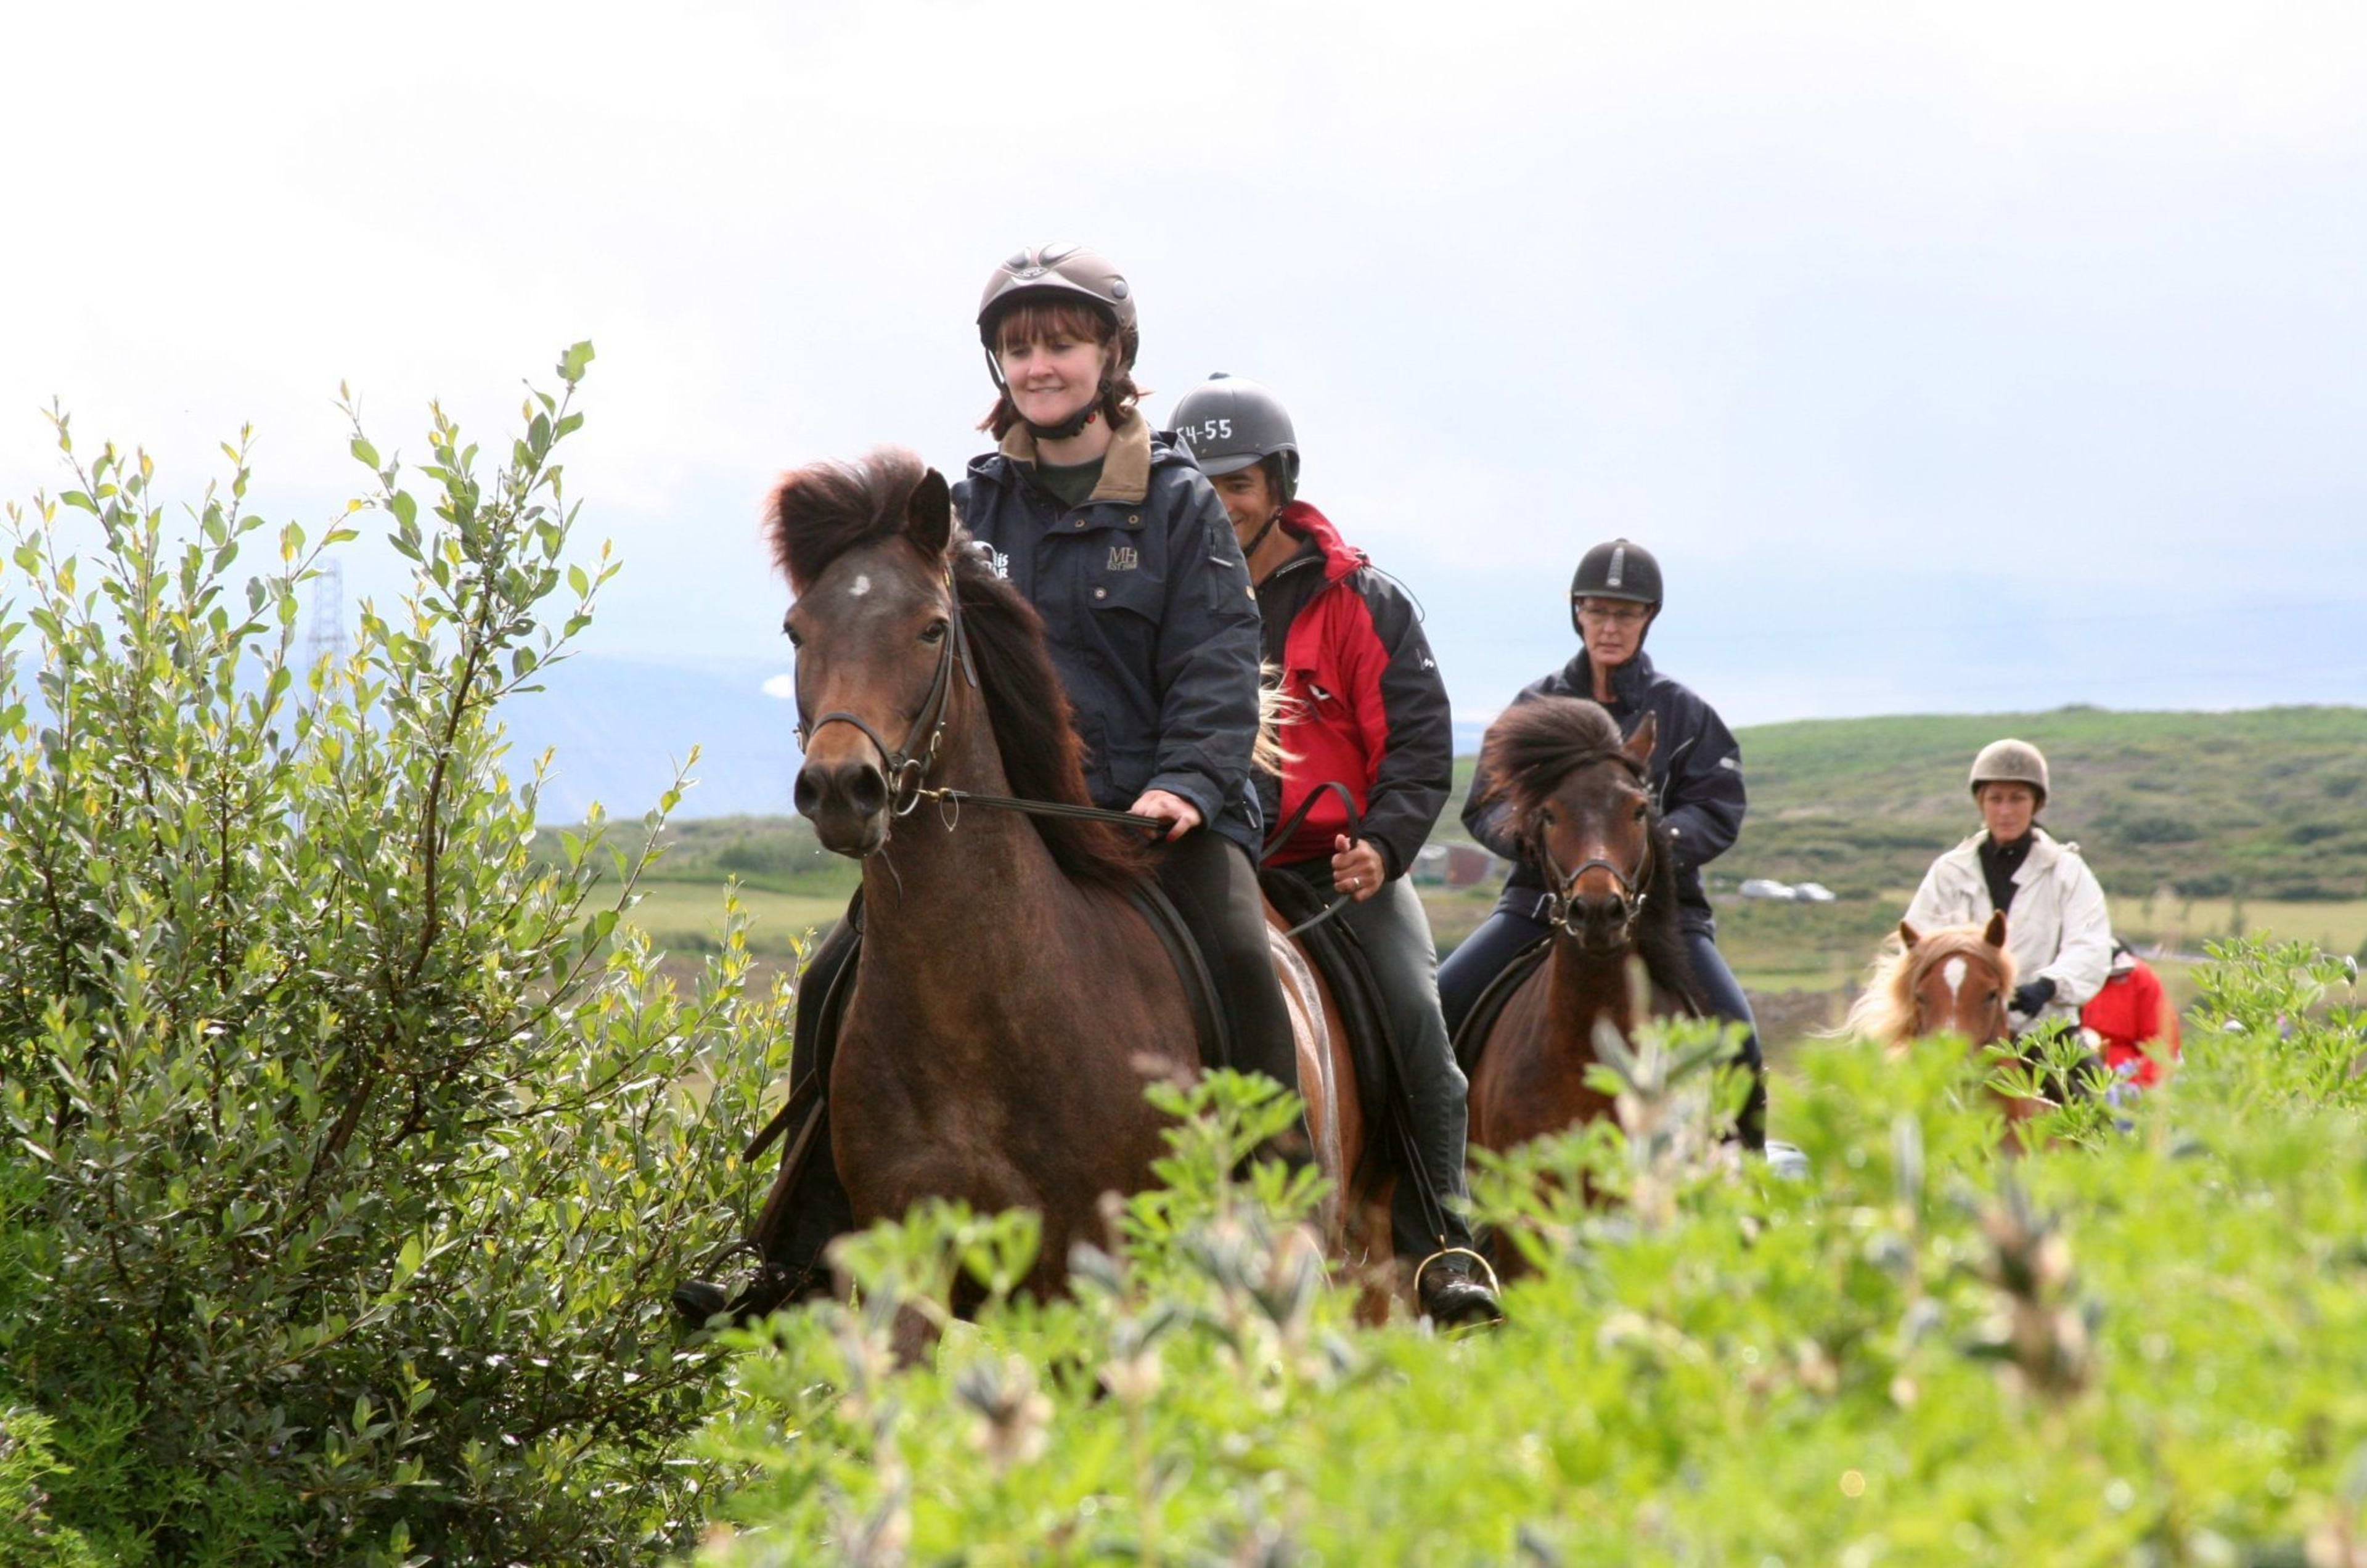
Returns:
(1125, 466)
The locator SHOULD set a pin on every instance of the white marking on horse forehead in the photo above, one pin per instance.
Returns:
(1953, 972)
(862, 586)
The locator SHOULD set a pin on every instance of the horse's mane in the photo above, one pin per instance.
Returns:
(1528, 751)
(1885, 1011)
(820, 512)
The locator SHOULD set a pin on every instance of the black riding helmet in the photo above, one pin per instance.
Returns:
(1228, 423)
(1616, 569)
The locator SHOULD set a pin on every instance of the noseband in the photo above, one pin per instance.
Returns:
(908, 766)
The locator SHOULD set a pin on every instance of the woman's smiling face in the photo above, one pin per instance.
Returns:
(1054, 374)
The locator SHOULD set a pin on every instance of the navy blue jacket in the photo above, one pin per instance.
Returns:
(1148, 608)
(1696, 772)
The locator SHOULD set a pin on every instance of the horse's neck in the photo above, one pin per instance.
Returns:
(937, 889)
(1582, 990)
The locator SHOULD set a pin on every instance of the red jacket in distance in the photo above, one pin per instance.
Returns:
(2130, 1013)
(1368, 707)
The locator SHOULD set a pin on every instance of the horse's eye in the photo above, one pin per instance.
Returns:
(1642, 811)
(935, 633)
(796, 639)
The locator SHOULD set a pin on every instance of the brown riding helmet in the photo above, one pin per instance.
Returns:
(2010, 761)
(1070, 272)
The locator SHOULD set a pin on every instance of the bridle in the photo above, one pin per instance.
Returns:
(908, 766)
(1633, 886)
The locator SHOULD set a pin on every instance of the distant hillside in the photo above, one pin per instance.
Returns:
(2265, 804)
(2268, 804)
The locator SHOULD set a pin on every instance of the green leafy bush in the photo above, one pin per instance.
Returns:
(348, 1159)
(2139, 1344)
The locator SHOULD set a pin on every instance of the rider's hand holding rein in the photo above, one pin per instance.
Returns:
(1180, 815)
(1357, 867)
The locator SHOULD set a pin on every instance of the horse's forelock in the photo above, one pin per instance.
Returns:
(1531, 749)
(820, 512)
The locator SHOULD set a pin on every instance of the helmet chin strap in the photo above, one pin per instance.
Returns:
(1072, 426)
(1259, 537)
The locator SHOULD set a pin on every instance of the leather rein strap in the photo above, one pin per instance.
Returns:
(1297, 819)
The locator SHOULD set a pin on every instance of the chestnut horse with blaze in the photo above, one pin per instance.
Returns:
(1011, 1002)
(1584, 813)
(1956, 980)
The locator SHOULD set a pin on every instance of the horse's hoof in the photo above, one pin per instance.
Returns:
(1455, 1300)
(696, 1301)
(1786, 1160)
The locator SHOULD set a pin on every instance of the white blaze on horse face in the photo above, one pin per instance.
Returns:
(862, 586)
(1953, 972)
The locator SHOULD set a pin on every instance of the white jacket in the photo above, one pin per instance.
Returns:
(2058, 927)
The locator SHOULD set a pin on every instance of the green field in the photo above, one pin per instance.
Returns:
(687, 916)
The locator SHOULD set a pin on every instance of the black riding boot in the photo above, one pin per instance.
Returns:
(816, 1211)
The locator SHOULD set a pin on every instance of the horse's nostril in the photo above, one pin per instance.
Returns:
(807, 794)
(867, 792)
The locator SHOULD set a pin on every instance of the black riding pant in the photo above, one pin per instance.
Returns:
(1483, 955)
(1213, 886)
(1394, 935)
(817, 1208)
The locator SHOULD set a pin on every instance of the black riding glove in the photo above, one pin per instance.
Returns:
(2031, 995)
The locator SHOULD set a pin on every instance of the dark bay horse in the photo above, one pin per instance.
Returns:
(1582, 810)
(1011, 1002)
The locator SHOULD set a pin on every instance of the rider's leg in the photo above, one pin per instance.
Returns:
(816, 1210)
(1395, 933)
(1213, 886)
(1723, 994)
(1467, 971)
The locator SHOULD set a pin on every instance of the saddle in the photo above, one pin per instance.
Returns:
(1339, 957)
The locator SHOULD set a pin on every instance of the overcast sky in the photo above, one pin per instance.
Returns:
(1950, 357)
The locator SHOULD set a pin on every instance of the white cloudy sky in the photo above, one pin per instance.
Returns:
(1951, 357)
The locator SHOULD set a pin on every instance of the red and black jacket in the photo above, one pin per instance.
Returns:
(1366, 704)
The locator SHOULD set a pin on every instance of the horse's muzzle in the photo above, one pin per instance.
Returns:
(847, 804)
(1601, 923)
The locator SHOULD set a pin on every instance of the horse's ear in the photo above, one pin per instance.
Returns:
(1639, 745)
(1994, 932)
(929, 515)
(1909, 934)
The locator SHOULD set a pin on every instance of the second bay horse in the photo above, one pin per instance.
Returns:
(1582, 810)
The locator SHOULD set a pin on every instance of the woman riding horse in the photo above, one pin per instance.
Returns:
(1114, 536)
(2057, 925)
(1695, 775)
(1364, 707)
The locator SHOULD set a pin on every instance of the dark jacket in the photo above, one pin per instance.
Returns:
(1366, 706)
(1148, 608)
(1696, 772)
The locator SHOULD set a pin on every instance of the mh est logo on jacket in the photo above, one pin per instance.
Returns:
(1122, 557)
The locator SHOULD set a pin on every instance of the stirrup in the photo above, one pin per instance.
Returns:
(1494, 1284)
